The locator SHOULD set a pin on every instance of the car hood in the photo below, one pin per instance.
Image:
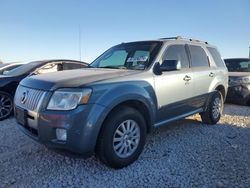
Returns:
(4, 80)
(73, 78)
(238, 74)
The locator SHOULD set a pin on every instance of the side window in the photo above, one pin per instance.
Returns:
(198, 56)
(216, 57)
(177, 52)
(5, 71)
(72, 65)
(115, 59)
(12, 67)
(50, 67)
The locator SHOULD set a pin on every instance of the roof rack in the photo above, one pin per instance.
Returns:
(181, 38)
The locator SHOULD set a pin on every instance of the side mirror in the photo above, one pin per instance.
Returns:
(170, 65)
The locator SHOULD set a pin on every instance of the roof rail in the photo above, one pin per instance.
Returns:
(179, 37)
(168, 38)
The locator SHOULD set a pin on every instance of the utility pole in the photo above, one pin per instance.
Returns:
(79, 43)
(249, 52)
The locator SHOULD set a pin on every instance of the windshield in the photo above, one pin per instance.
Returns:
(238, 65)
(134, 56)
(4, 70)
(24, 69)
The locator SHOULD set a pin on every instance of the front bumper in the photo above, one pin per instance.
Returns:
(239, 94)
(82, 125)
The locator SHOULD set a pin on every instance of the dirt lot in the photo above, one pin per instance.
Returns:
(186, 153)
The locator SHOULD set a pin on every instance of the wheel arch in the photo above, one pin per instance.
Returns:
(222, 90)
(138, 105)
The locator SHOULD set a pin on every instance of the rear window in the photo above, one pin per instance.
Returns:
(238, 65)
(216, 57)
(198, 56)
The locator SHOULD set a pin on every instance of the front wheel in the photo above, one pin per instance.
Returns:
(6, 105)
(122, 138)
(214, 109)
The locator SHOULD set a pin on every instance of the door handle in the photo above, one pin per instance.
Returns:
(211, 74)
(187, 78)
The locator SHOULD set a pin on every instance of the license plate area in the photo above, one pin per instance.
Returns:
(21, 116)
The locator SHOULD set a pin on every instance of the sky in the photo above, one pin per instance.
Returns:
(47, 29)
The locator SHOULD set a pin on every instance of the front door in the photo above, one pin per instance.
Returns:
(174, 89)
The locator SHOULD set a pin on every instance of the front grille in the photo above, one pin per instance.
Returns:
(32, 99)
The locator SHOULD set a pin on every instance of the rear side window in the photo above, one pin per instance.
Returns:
(177, 52)
(198, 56)
(72, 65)
(216, 57)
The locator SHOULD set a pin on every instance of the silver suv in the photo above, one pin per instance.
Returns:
(109, 107)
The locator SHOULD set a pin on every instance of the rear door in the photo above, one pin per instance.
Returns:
(203, 74)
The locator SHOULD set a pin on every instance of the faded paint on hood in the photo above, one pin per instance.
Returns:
(73, 78)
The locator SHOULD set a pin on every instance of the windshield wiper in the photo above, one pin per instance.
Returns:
(114, 67)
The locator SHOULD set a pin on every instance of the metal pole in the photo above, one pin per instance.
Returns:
(80, 45)
(249, 52)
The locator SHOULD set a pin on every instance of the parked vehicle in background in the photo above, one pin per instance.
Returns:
(130, 89)
(6, 67)
(239, 80)
(10, 80)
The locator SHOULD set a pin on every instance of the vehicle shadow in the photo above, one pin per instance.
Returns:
(236, 110)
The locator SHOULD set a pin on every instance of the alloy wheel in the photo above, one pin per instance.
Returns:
(5, 106)
(126, 138)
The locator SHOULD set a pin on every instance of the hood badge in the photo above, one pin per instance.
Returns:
(24, 96)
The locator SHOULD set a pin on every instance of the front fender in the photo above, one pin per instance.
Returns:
(118, 93)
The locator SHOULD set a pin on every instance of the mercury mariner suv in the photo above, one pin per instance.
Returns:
(109, 107)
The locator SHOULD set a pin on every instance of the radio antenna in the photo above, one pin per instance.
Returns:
(79, 43)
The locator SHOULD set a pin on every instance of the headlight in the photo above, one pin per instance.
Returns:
(237, 81)
(245, 80)
(68, 99)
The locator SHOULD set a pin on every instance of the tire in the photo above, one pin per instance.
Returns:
(6, 105)
(248, 100)
(111, 138)
(214, 109)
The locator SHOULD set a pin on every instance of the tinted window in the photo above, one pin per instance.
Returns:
(198, 56)
(5, 70)
(238, 65)
(177, 52)
(216, 57)
(26, 68)
(72, 65)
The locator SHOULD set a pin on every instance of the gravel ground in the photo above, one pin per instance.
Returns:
(186, 153)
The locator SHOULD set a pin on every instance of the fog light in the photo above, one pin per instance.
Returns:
(61, 134)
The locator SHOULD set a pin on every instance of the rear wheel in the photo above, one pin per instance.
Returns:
(6, 105)
(214, 109)
(122, 138)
